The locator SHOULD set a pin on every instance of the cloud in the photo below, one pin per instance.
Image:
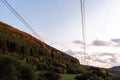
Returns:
(44, 37)
(65, 46)
(100, 53)
(98, 59)
(100, 43)
(69, 46)
(70, 52)
(47, 39)
(107, 54)
(78, 42)
(106, 59)
(93, 58)
(41, 36)
(73, 53)
(116, 40)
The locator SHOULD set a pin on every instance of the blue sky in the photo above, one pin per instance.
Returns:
(61, 18)
(58, 22)
(54, 18)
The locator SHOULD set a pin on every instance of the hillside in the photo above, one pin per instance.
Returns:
(16, 42)
(115, 70)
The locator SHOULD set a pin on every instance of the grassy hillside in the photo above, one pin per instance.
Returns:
(34, 51)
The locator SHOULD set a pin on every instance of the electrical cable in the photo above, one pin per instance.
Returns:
(82, 3)
(20, 18)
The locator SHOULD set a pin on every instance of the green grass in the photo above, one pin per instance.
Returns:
(68, 76)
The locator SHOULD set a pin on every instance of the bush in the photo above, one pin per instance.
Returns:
(52, 76)
(42, 66)
(113, 78)
(7, 68)
(70, 71)
(13, 69)
(26, 72)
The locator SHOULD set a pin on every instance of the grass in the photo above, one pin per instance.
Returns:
(68, 76)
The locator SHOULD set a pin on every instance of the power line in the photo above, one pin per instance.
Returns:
(20, 18)
(82, 3)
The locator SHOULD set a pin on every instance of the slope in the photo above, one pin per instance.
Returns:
(114, 70)
(31, 50)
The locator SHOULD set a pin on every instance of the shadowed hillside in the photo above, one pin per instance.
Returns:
(25, 46)
(115, 70)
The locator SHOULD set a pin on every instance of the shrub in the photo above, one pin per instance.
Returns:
(42, 66)
(26, 73)
(13, 69)
(52, 76)
(70, 71)
(113, 78)
(7, 68)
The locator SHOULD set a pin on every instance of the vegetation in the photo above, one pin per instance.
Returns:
(13, 69)
(34, 51)
(114, 70)
(23, 57)
(69, 76)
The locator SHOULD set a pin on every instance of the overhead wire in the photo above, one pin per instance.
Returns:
(82, 3)
(20, 18)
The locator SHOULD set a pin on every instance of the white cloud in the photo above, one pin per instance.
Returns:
(73, 53)
(44, 37)
(98, 59)
(100, 43)
(116, 42)
(47, 39)
(65, 46)
(100, 53)
(78, 42)
(41, 36)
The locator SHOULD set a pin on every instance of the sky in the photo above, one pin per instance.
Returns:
(58, 22)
